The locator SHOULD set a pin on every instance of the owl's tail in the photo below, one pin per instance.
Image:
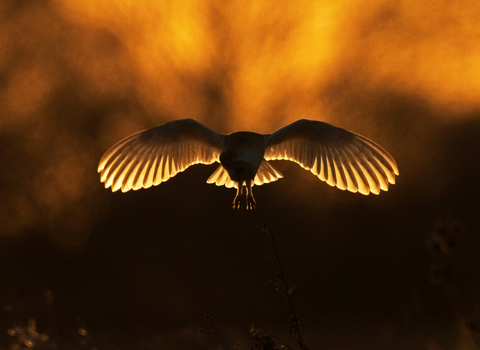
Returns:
(266, 173)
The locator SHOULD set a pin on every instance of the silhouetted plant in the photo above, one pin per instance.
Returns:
(213, 328)
(286, 289)
(260, 340)
(444, 272)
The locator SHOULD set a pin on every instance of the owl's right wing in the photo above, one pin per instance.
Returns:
(339, 157)
(152, 156)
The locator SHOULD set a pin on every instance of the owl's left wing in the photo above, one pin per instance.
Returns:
(339, 157)
(153, 156)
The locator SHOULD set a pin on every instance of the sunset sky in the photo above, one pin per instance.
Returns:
(133, 269)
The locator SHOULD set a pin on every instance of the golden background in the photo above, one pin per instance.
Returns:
(78, 76)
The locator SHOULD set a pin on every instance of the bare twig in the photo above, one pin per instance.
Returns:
(214, 331)
(286, 290)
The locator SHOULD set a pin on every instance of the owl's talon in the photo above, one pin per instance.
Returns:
(237, 204)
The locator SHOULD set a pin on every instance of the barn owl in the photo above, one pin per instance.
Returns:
(339, 157)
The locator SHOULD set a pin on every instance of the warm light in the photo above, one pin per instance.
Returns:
(274, 59)
(114, 67)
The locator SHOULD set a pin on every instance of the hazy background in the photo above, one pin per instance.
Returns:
(87, 268)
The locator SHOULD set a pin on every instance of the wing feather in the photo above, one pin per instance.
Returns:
(342, 182)
(153, 156)
(133, 170)
(339, 157)
(332, 176)
(266, 173)
(360, 176)
(349, 166)
(143, 177)
(365, 171)
(157, 177)
(323, 173)
(220, 177)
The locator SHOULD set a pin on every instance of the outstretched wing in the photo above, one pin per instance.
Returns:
(152, 156)
(339, 157)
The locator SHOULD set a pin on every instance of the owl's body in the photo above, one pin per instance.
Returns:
(339, 157)
(242, 154)
(241, 157)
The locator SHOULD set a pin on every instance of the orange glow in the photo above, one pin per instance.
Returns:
(160, 43)
(272, 55)
(277, 57)
(427, 48)
(114, 67)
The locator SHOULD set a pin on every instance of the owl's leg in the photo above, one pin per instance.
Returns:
(237, 202)
(250, 200)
